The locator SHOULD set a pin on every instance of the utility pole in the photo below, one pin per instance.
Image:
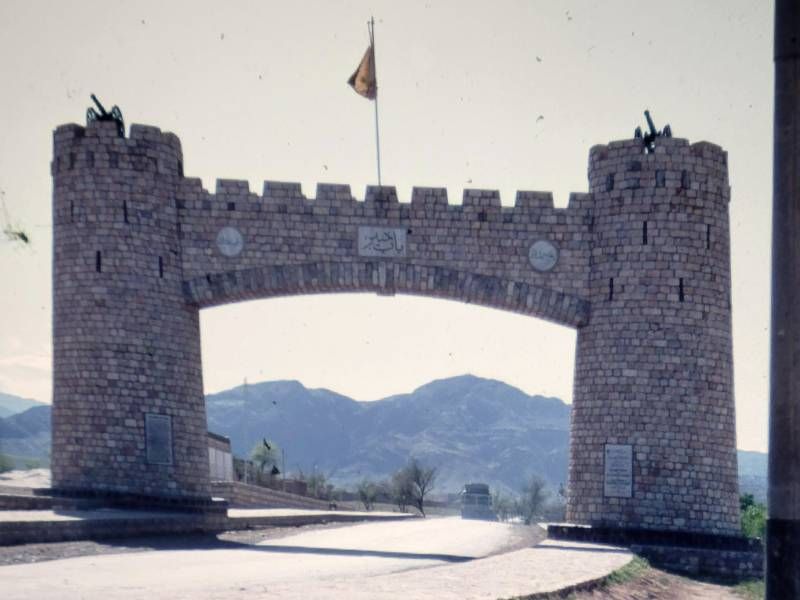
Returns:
(783, 524)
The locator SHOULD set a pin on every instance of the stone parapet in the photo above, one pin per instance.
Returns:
(239, 494)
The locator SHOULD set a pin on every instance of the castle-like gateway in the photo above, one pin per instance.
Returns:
(640, 266)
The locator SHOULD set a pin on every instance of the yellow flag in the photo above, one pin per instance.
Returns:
(363, 81)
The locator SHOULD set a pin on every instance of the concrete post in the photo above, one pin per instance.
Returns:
(783, 525)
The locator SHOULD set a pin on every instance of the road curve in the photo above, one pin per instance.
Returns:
(338, 561)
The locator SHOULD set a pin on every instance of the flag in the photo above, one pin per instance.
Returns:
(363, 81)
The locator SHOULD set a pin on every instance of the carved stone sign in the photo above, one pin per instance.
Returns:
(158, 439)
(230, 241)
(387, 242)
(618, 481)
(543, 255)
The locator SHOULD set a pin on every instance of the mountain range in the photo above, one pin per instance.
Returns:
(24, 430)
(472, 429)
(11, 405)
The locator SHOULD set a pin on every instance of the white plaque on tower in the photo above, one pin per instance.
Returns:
(618, 480)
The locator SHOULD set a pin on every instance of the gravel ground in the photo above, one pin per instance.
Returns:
(653, 584)
(31, 478)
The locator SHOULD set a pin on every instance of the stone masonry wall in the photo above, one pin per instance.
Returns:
(654, 365)
(125, 342)
(239, 494)
(475, 252)
(643, 273)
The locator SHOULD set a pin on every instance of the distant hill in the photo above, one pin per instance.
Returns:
(11, 405)
(753, 474)
(752, 463)
(471, 428)
(27, 434)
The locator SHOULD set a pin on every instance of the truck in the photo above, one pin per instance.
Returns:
(476, 502)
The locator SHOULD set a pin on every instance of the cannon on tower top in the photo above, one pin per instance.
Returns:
(115, 115)
(649, 138)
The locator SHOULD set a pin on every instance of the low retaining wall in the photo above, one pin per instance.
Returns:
(238, 521)
(731, 564)
(24, 502)
(30, 532)
(243, 494)
(736, 557)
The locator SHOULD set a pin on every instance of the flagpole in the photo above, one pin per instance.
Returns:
(371, 24)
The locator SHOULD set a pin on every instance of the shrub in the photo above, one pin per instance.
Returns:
(754, 521)
(6, 464)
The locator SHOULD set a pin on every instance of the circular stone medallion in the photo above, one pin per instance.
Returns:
(230, 241)
(543, 255)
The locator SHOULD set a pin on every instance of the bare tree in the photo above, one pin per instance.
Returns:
(368, 493)
(423, 479)
(319, 487)
(401, 489)
(502, 504)
(411, 484)
(531, 503)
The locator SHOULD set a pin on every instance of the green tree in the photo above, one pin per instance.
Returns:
(266, 455)
(745, 501)
(753, 517)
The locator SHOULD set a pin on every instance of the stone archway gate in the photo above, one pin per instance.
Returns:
(640, 265)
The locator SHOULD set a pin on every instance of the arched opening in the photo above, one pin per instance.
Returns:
(368, 348)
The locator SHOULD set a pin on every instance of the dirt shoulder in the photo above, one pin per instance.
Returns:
(649, 583)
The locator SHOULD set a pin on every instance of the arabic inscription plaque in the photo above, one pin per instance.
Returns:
(543, 255)
(229, 241)
(386, 242)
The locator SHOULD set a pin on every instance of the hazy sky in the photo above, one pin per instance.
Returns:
(257, 90)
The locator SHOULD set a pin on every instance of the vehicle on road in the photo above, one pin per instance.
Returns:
(476, 502)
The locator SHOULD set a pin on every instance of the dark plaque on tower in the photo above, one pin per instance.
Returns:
(158, 435)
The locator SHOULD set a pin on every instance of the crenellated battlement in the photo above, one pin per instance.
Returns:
(665, 146)
(98, 146)
(74, 133)
(675, 168)
(290, 197)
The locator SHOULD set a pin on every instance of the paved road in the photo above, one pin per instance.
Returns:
(416, 559)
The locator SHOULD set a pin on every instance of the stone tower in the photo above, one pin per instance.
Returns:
(653, 430)
(128, 408)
